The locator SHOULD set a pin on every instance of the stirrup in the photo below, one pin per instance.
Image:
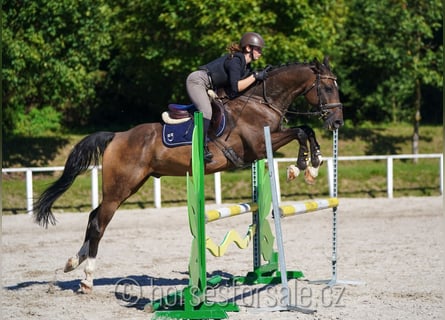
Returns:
(208, 156)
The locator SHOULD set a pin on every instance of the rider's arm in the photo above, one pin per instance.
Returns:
(237, 77)
(243, 84)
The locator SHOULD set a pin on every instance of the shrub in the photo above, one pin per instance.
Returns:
(39, 122)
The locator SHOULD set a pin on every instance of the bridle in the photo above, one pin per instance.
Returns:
(322, 107)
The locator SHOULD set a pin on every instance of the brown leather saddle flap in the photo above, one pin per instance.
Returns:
(217, 113)
(177, 113)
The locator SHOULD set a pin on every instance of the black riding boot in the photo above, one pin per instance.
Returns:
(207, 154)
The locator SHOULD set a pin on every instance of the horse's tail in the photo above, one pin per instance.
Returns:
(88, 151)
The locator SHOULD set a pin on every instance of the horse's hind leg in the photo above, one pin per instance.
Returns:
(97, 223)
(81, 256)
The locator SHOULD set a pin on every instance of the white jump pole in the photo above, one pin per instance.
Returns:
(278, 232)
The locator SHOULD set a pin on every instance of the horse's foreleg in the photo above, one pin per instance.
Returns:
(309, 160)
(315, 154)
(316, 157)
(302, 162)
(81, 256)
(283, 137)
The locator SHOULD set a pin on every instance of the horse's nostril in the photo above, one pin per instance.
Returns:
(338, 123)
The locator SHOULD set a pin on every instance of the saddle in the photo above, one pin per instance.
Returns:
(181, 113)
(178, 123)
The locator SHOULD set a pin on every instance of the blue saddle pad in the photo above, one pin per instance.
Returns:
(174, 135)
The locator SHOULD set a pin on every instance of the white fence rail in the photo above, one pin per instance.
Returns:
(217, 176)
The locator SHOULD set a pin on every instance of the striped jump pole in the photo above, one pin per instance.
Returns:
(334, 191)
(307, 206)
(286, 210)
(231, 211)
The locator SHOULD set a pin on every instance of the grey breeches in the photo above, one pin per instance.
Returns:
(197, 85)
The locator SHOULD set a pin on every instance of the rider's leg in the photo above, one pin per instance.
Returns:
(197, 85)
(207, 154)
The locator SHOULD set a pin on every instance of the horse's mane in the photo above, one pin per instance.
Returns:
(314, 64)
(274, 70)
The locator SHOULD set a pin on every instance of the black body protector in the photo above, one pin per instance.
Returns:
(226, 71)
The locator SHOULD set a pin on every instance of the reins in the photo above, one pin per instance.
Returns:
(323, 107)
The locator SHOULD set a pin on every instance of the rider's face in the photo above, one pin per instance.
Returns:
(254, 52)
(257, 52)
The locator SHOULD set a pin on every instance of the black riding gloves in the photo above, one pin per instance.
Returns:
(262, 75)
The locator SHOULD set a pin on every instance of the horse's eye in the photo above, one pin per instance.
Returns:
(328, 89)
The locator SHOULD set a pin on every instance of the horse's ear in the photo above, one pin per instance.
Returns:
(326, 62)
(317, 65)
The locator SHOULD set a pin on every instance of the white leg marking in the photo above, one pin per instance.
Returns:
(313, 171)
(86, 285)
(292, 172)
(89, 269)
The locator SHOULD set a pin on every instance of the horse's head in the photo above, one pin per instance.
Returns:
(323, 94)
(314, 81)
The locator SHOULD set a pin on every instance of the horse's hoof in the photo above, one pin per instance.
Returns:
(149, 308)
(313, 171)
(71, 264)
(86, 287)
(308, 177)
(292, 172)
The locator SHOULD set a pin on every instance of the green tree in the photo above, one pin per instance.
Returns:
(391, 51)
(51, 57)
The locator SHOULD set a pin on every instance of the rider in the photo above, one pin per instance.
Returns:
(231, 72)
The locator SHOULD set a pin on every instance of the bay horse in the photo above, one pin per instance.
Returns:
(129, 158)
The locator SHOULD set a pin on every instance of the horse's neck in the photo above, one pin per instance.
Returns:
(276, 93)
(253, 110)
(283, 86)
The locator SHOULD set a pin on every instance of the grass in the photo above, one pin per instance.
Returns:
(356, 178)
